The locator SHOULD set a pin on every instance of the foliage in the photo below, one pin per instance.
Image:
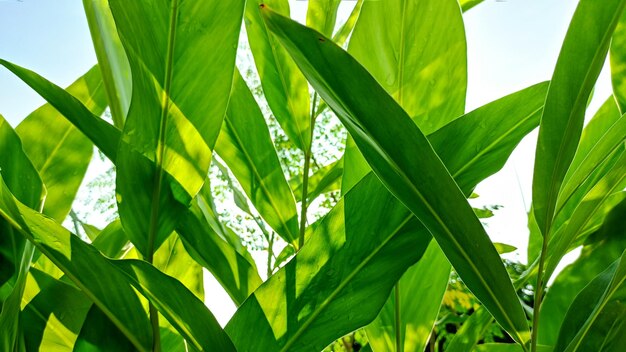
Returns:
(347, 162)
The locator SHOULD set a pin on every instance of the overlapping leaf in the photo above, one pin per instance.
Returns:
(284, 86)
(94, 274)
(339, 261)
(579, 64)
(49, 140)
(419, 180)
(177, 107)
(246, 146)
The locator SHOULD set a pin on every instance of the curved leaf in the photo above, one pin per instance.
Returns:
(579, 64)
(177, 107)
(419, 180)
(284, 86)
(330, 281)
(325, 179)
(94, 274)
(49, 141)
(246, 146)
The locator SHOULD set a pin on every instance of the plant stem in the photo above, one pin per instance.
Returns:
(398, 321)
(270, 244)
(305, 176)
(538, 294)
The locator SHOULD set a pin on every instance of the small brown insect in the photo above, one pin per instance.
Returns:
(262, 6)
(321, 39)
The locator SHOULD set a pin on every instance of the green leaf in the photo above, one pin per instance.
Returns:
(579, 64)
(325, 179)
(177, 107)
(246, 146)
(421, 291)
(426, 75)
(606, 245)
(237, 274)
(336, 268)
(15, 253)
(49, 141)
(416, 51)
(321, 15)
(95, 274)
(112, 240)
(284, 86)
(618, 63)
(594, 311)
(103, 135)
(173, 259)
(54, 316)
(338, 256)
(112, 59)
(607, 192)
(100, 334)
(419, 179)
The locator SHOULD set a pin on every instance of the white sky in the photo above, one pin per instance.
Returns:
(512, 44)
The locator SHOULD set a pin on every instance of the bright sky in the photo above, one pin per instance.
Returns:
(512, 44)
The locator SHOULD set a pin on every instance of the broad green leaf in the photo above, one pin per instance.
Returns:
(15, 253)
(90, 272)
(106, 138)
(53, 317)
(302, 306)
(426, 75)
(419, 179)
(98, 333)
(595, 310)
(321, 15)
(236, 274)
(284, 86)
(580, 61)
(607, 244)
(111, 58)
(246, 146)
(330, 248)
(421, 291)
(177, 107)
(95, 274)
(416, 51)
(325, 179)
(618, 63)
(59, 151)
(172, 259)
(111, 240)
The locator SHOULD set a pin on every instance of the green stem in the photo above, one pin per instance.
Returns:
(538, 295)
(305, 176)
(398, 321)
(270, 244)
